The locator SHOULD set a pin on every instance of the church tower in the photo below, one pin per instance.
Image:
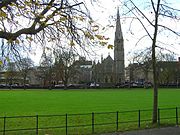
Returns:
(119, 53)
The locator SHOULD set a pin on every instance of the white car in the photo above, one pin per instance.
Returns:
(94, 85)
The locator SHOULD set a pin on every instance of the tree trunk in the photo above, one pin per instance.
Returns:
(24, 82)
(65, 85)
(155, 103)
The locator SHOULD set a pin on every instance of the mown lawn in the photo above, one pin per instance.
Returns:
(91, 103)
(32, 102)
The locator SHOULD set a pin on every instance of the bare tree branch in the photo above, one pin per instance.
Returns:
(142, 13)
(152, 3)
(141, 22)
(169, 29)
(141, 39)
(4, 3)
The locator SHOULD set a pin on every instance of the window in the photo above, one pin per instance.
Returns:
(106, 79)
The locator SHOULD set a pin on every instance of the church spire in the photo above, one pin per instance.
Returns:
(118, 52)
(118, 33)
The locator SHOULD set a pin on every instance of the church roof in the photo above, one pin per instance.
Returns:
(108, 60)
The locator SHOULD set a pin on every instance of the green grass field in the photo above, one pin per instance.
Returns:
(49, 102)
(31, 102)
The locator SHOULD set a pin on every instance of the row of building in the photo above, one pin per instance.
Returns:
(102, 73)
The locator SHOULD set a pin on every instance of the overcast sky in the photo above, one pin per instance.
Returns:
(105, 14)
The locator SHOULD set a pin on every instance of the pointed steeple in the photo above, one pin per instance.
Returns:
(118, 52)
(118, 33)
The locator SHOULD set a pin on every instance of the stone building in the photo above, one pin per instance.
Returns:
(168, 72)
(111, 71)
(83, 70)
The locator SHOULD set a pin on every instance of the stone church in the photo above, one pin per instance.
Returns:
(112, 71)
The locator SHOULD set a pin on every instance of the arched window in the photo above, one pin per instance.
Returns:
(106, 79)
(98, 80)
(119, 79)
(111, 79)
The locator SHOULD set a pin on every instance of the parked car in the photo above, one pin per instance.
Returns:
(94, 85)
(3, 85)
(59, 86)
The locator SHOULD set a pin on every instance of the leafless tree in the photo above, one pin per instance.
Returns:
(143, 58)
(156, 11)
(11, 74)
(64, 65)
(45, 69)
(24, 66)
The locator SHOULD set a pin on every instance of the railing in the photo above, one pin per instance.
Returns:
(87, 123)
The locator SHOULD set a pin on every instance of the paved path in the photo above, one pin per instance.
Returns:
(156, 131)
